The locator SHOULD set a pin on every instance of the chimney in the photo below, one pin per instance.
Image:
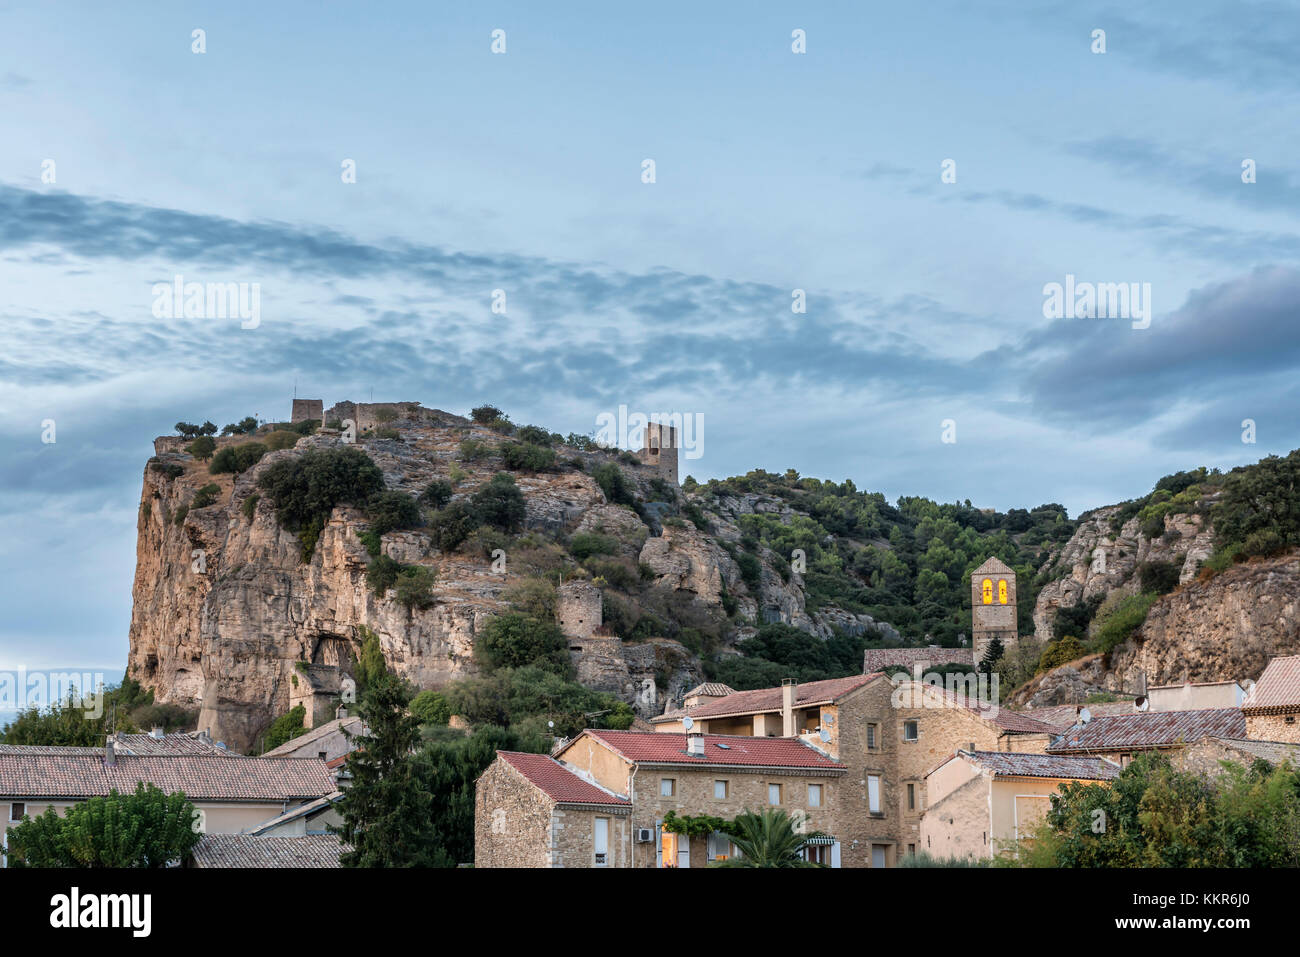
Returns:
(205, 737)
(110, 757)
(695, 745)
(341, 711)
(156, 734)
(787, 708)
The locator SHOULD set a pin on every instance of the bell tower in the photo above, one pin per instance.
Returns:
(993, 606)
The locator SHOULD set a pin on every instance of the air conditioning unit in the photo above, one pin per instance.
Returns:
(645, 835)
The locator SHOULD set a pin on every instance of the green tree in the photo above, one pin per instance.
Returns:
(285, 728)
(371, 665)
(202, 447)
(500, 503)
(145, 829)
(437, 493)
(512, 640)
(431, 707)
(767, 839)
(388, 809)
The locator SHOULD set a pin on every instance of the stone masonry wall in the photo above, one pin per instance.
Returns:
(512, 820)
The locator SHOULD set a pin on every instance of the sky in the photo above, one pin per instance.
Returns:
(921, 173)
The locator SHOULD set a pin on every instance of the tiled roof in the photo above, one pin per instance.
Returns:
(557, 781)
(1274, 752)
(712, 689)
(139, 744)
(351, 723)
(1278, 688)
(769, 699)
(200, 777)
(878, 659)
(1017, 765)
(245, 850)
(994, 566)
(722, 750)
(1150, 729)
(1064, 716)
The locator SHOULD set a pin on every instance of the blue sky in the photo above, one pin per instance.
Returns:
(522, 172)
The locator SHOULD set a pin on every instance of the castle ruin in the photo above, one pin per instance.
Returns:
(659, 450)
(304, 410)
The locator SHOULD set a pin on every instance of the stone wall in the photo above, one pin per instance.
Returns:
(512, 820)
(660, 450)
(958, 825)
(1274, 727)
(306, 409)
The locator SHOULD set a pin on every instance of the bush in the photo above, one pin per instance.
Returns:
(245, 426)
(414, 589)
(473, 450)
(484, 414)
(437, 493)
(390, 510)
(514, 640)
(249, 508)
(585, 544)
(527, 457)
(533, 435)
(449, 527)
(751, 571)
(381, 574)
(206, 495)
(618, 490)
(237, 458)
(618, 574)
(180, 515)
(281, 439)
(1158, 577)
(1061, 652)
(500, 503)
(1119, 626)
(202, 447)
(533, 596)
(170, 469)
(431, 708)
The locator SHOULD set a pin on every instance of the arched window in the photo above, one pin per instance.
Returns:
(988, 591)
(1002, 591)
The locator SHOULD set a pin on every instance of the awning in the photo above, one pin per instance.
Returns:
(821, 839)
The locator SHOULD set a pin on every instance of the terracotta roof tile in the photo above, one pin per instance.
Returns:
(713, 689)
(245, 850)
(1278, 688)
(769, 699)
(557, 781)
(722, 750)
(1150, 729)
(351, 724)
(208, 777)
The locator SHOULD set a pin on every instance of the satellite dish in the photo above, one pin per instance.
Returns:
(1142, 703)
(551, 725)
(829, 719)
(688, 722)
(1085, 716)
(824, 735)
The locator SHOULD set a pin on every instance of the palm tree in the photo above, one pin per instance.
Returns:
(767, 840)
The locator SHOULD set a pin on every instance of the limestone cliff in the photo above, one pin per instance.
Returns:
(225, 611)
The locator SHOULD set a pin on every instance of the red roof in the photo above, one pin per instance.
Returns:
(1006, 719)
(557, 781)
(653, 747)
(769, 699)
(1150, 729)
(1278, 688)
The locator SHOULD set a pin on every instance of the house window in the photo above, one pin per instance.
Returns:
(718, 846)
(814, 795)
(911, 797)
(1290, 719)
(667, 787)
(322, 755)
(910, 731)
(17, 810)
(600, 840)
(774, 794)
(873, 793)
(911, 850)
(873, 736)
(720, 790)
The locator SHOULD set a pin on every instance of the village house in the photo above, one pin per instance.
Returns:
(1272, 709)
(246, 850)
(1119, 737)
(231, 793)
(329, 741)
(602, 799)
(983, 801)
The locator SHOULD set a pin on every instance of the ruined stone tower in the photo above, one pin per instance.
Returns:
(659, 449)
(993, 606)
(306, 409)
(578, 609)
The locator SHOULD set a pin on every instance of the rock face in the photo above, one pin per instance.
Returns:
(1225, 628)
(226, 612)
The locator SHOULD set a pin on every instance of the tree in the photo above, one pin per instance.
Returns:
(388, 810)
(390, 510)
(513, 640)
(767, 839)
(237, 458)
(188, 429)
(485, 414)
(371, 665)
(437, 493)
(145, 829)
(500, 503)
(431, 707)
(305, 488)
(244, 426)
(203, 447)
(992, 655)
(285, 728)
(450, 526)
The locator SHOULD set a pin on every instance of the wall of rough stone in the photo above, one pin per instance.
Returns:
(1273, 727)
(512, 820)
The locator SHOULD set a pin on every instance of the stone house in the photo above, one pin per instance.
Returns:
(1272, 709)
(326, 742)
(640, 777)
(1195, 696)
(888, 733)
(981, 801)
(1207, 755)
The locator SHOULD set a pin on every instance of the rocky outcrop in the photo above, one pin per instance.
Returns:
(1224, 628)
